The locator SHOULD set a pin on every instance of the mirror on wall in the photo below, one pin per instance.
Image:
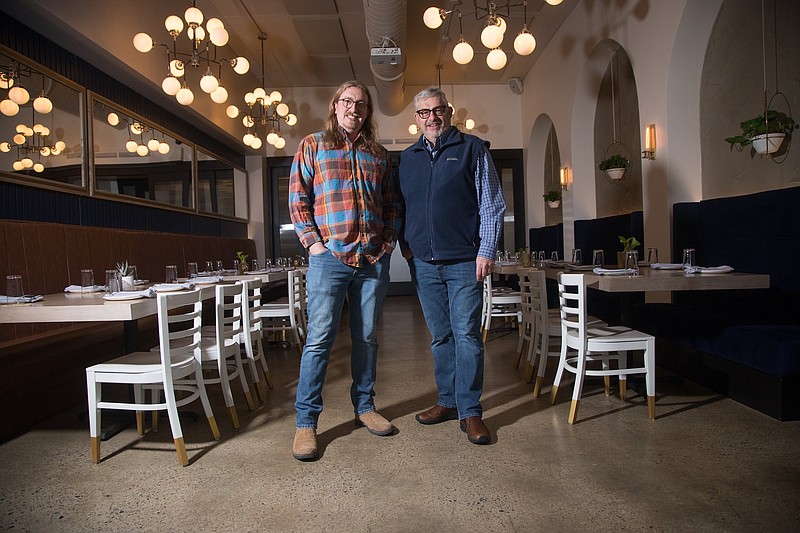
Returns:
(135, 158)
(41, 129)
(219, 186)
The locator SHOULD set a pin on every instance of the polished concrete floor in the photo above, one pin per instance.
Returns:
(705, 464)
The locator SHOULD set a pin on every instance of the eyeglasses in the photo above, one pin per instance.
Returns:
(438, 111)
(348, 103)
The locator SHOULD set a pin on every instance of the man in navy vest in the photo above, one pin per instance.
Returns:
(453, 217)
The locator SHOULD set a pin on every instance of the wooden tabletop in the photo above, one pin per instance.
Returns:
(75, 307)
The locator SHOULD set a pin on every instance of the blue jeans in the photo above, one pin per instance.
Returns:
(451, 299)
(328, 282)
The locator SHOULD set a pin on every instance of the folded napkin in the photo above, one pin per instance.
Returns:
(24, 299)
(724, 269)
(166, 287)
(667, 266)
(207, 279)
(505, 263)
(78, 288)
(613, 271)
(141, 282)
(144, 293)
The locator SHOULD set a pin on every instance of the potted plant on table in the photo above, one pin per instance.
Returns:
(242, 258)
(614, 166)
(553, 198)
(126, 273)
(765, 134)
(628, 244)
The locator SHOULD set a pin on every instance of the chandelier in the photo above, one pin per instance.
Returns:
(30, 142)
(264, 110)
(468, 124)
(134, 127)
(493, 30)
(203, 53)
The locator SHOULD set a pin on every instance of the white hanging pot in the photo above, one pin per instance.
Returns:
(615, 173)
(768, 143)
(554, 204)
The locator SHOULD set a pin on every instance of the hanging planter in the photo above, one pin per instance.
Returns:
(614, 166)
(768, 143)
(766, 134)
(554, 205)
(553, 199)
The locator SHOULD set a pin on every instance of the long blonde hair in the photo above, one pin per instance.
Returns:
(333, 136)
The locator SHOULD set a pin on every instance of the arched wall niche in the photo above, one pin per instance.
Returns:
(550, 177)
(732, 90)
(535, 178)
(616, 131)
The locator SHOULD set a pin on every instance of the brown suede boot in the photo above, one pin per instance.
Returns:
(305, 444)
(375, 424)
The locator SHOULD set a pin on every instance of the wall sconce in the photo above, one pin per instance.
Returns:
(649, 142)
(563, 178)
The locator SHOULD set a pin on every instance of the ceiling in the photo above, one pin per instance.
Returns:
(310, 43)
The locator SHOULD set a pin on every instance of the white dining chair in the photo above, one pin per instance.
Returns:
(288, 314)
(498, 304)
(252, 335)
(597, 343)
(175, 366)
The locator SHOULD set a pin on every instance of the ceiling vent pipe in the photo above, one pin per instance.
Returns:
(386, 27)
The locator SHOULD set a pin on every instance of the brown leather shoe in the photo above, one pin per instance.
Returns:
(476, 430)
(305, 444)
(437, 414)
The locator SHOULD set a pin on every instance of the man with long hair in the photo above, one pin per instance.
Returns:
(453, 216)
(345, 209)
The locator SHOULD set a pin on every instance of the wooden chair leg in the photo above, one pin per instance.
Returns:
(249, 398)
(651, 407)
(180, 447)
(623, 388)
(234, 416)
(95, 444)
(139, 423)
(553, 393)
(607, 384)
(537, 388)
(573, 411)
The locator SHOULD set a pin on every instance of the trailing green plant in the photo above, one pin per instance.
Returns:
(124, 269)
(615, 161)
(241, 256)
(629, 243)
(775, 122)
(552, 196)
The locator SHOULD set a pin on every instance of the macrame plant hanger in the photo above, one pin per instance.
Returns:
(617, 145)
(784, 151)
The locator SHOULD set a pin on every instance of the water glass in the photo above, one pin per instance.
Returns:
(209, 267)
(688, 257)
(632, 262)
(191, 270)
(171, 274)
(598, 257)
(652, 255)
(220, 268)
(14, 286)
(134, 272)
(540, 257)
(554, 256)
(87, 280)
(576, 256)
(113, 281)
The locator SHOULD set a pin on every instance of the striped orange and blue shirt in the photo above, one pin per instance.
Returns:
(345, 198)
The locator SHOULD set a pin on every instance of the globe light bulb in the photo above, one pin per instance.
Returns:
(174, 24)
(256, 144)
(5, 147)
(280, 143)
(136, 128)
(250, 98)
(502, 23)
(240, 65)
(19, 139)
(20, 128)
(469, 124)
(44, 150)
(291, 119)
(113, 119)
(525, 43)
(259, 94)
(142, 150)
(38, 128)
(275, 96)
(214, 23)
(171, 85)
(248, 139)
(9, 108)
(38, 167)
(28, 132)
(218, 36)
(433, 17)
(248, 121)
(185, 96)
(61, 146)
(55, 151)
(282, 109)
(42, 104)
(462, 52)
(19, 95)
(272, 137)
(553, 2)
(412, 129)
(220, 95)
(45, 131)
(232, 111)
(176, 68)
(27, 162)
(131, 146)
(163, 148)
(196, 34)
(6, 82)
(152, 145)
(143, 42)
(492, 35)
(496, 59)
(193, 16)
(17, 165)
(209, 83)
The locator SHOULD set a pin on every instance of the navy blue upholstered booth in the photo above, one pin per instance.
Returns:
(548, 239)
(746, 343)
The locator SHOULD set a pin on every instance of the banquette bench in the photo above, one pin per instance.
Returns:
(743, 344)
(42, 366)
